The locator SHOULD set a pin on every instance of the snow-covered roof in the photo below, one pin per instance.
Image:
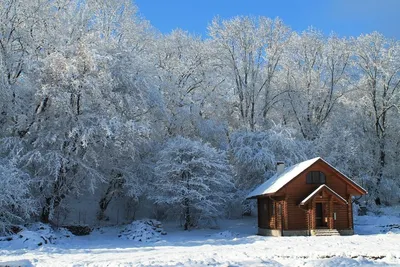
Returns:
(279, 180)
(276, 182)
(319, 189)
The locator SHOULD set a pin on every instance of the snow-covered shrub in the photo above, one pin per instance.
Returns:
(36, 235)
(143, 231)
(193, 180)
(16, 202)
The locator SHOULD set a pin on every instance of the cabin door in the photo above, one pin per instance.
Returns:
(320, 215)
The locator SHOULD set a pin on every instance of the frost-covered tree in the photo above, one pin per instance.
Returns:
(16, 201)
(316, 76)
(182, 79)
(255, 153)
(190, 89)
(377, 60)
(89, 91)
(126, 166)
(68, 127)
(250, 51)
(87, 105)
(193, 181)
(254, 156)
(136, 102)
(19, 21)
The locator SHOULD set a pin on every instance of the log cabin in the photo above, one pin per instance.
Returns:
(309, 198)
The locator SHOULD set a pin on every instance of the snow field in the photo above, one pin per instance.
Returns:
(234, 244)
(244, 251)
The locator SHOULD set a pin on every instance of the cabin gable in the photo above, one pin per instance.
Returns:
(298, 188)
(334, 179)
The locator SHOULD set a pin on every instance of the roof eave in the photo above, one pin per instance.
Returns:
(355, 185)
(258, 196)
(319, 189)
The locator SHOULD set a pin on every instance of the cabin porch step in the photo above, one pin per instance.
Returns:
(325, 232)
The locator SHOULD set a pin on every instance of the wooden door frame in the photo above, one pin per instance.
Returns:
(319, 221)
(326, 213)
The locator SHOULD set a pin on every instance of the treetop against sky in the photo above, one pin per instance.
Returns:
(344, 17)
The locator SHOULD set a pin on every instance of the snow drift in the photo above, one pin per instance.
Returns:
(143, 231)
(36, 235)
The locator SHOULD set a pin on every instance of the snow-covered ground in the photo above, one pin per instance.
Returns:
(376, 243)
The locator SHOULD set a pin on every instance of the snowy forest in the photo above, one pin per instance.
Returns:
(99, 110)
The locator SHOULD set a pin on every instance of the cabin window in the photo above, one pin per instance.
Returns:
(316, 177)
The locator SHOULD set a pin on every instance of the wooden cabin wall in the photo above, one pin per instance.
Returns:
(342, 217)
(271, 212)
(298, 189)
(266, 213)
(297, 219)
(263, 216)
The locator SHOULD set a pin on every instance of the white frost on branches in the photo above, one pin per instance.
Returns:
(16, 201)
(194, 180)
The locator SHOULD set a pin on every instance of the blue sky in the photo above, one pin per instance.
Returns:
(344, 17)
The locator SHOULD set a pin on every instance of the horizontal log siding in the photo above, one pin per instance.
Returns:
(263, 217)
(271, 221)
(297, 219)
(298, 189)
(342, 221)
(266, 213)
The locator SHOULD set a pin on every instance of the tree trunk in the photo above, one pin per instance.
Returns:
(103, 204)
(382, 159)
(114, 187)
(381, 134)
(58, 194)
(188, 222)
(186, 203)
(45, 215)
